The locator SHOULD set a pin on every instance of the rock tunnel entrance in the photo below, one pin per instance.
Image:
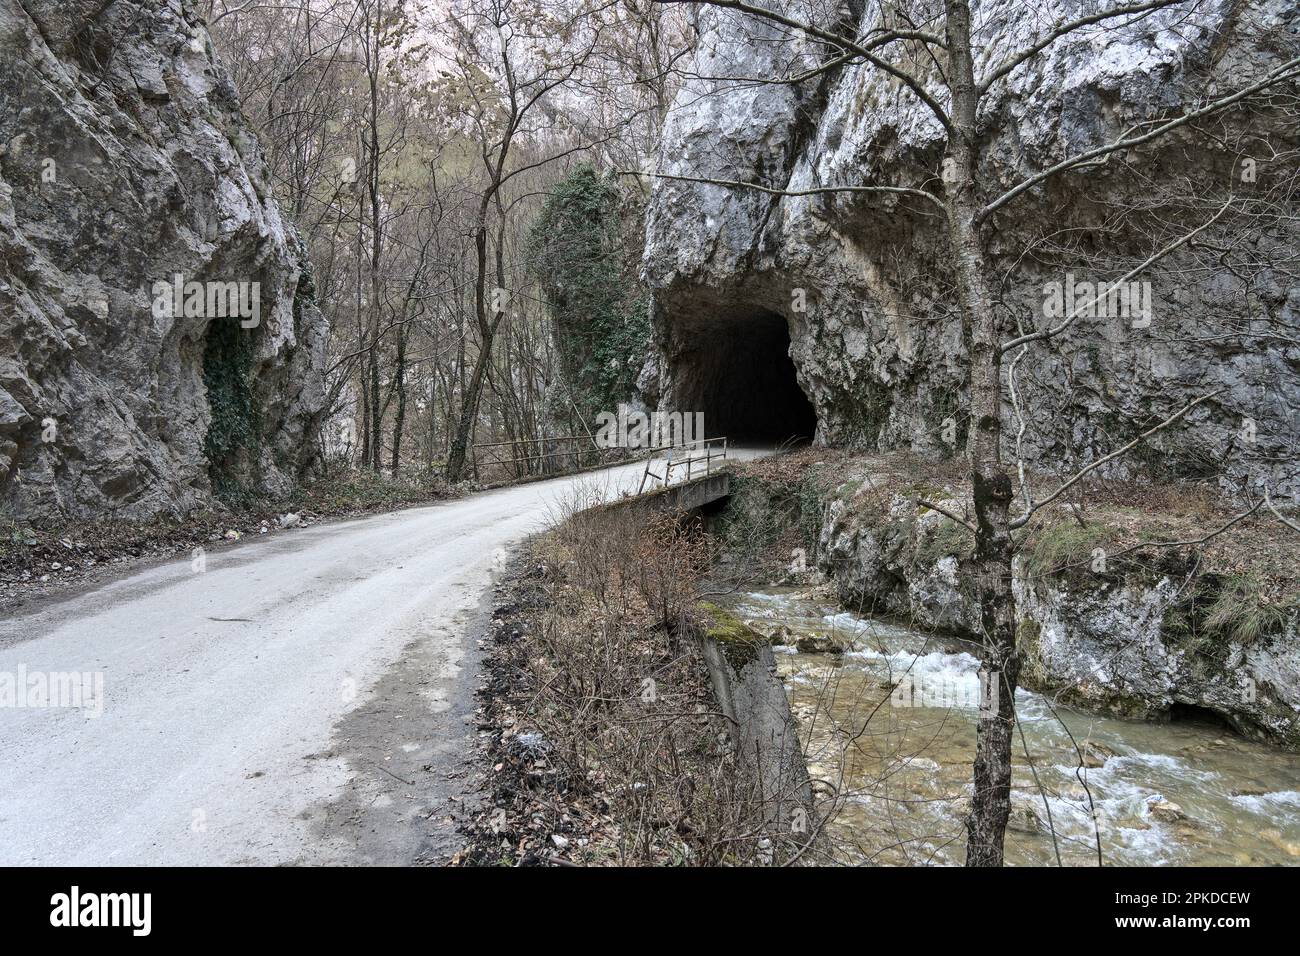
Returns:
(737, 370)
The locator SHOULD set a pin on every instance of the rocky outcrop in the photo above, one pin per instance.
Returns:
(124, 162)
(1133, 642)
(863, 286)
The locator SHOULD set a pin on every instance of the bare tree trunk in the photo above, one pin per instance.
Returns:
(373, 171)
(468, 415)
(399, 385)
(473, 392)
(990, 483)
(365, 418)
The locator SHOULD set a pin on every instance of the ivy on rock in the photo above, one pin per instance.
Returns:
(601, 318)
(233, 441)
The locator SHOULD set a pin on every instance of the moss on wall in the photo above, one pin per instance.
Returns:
(234, 437)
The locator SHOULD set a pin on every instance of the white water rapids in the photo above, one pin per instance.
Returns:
(1180, 793)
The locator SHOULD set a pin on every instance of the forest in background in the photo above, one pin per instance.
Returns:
(453, 171)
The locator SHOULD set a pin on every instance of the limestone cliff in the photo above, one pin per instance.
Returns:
(861, 283)
(124, 162)
(1134, 641)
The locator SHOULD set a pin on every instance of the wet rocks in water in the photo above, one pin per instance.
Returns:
(1027, 814)
(806, 642)
(1290, 847)
(1094, 755)
(778, 634)
(821, 644)
(1249, 792)
(1165, 811)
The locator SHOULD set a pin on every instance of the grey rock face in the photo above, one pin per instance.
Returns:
(863, 283)
(125, 161)
(1116, 647)
(1116, 644)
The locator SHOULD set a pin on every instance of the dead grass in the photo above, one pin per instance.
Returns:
(1129, 521)
(608, 672)
(1244, 610)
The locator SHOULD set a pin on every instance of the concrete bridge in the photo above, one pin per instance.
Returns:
(687, 495)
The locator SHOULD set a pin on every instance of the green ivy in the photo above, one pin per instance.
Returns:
(304, 292)
(601, 318)
(233, 441)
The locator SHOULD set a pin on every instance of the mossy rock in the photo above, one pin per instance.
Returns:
(930, 492)
(738, 641)
(1028, 634)
(944, 540)
(233, 441)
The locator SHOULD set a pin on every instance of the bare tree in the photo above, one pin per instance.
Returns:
(508, 81)
(929, 49)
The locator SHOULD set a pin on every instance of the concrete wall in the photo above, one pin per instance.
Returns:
(742, 670)
(686, 496)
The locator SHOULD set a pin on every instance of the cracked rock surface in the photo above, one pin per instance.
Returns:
(863, 283)
(125, 160)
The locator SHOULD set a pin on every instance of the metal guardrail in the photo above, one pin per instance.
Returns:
(536, 458)
(707, 446)
(550, 455)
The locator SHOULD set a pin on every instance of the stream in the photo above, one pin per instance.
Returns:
(891, 722)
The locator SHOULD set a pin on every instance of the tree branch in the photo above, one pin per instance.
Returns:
(1278, 515)
(1035, 506)
(947, 514)
(771, 191)
(1285, 71)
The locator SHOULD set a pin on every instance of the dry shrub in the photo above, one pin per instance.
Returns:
(622, 692)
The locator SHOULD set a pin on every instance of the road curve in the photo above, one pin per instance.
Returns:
(302, 700)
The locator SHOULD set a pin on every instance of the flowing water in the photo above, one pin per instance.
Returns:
(890, 723)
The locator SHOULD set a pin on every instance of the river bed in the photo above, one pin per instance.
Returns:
(890, 722)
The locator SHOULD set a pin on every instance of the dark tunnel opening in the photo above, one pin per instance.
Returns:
(740, 375)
